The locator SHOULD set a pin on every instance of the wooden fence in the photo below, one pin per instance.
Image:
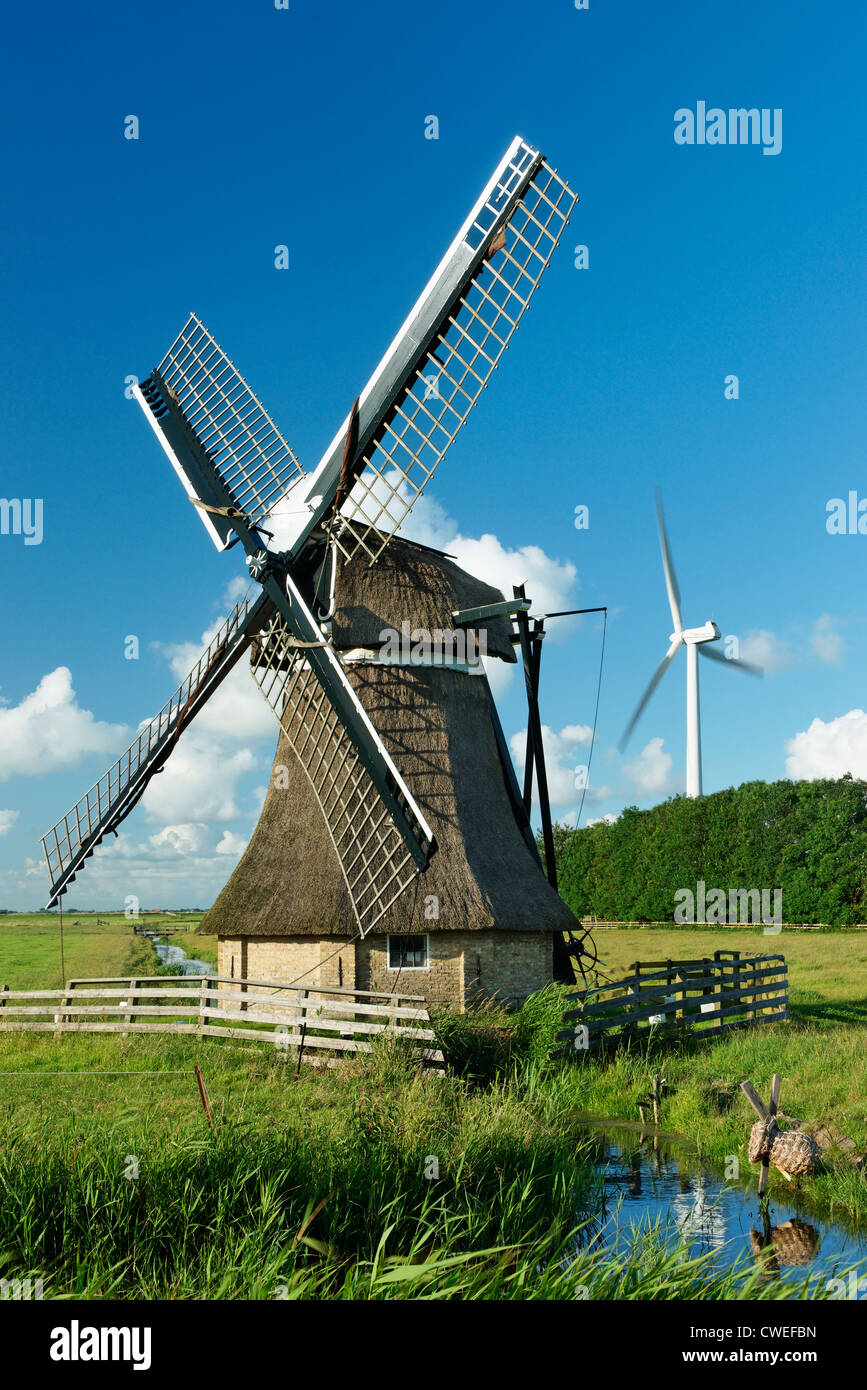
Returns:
(708, 995)
(310, 1024)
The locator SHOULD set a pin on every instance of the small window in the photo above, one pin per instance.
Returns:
(408, 952)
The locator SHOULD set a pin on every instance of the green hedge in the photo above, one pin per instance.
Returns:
(807, 838)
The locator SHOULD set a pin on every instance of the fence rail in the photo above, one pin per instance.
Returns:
(708, 995)
(313, 1023)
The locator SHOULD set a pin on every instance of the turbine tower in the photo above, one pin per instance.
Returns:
(695, 639)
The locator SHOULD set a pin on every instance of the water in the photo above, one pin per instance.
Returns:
(644, 1181)
(170, 954)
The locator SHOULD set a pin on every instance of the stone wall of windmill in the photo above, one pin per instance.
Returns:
(462, 967)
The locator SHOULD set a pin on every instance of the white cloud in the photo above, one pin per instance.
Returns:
(825, 643)
(182, 864)
(49, 730)
(199, 781)
(608, 819)
(7, 820)
(829, 750)
(776, 654)
(562, 762)
(549, 582)
(232, 843)
(766, 649)
(188, 839)
(236, 709)
(650, 772)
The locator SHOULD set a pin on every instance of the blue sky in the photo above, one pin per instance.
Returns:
(305, 127)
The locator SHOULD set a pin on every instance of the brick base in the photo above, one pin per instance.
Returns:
(464, 967)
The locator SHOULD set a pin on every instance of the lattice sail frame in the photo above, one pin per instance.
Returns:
(465, 351)
(243, 444)
(376, 864)
(77, 834)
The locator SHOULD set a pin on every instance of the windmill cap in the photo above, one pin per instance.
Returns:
(413, 584)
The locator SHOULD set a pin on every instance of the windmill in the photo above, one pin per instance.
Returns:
(311, 539)
(695, 640)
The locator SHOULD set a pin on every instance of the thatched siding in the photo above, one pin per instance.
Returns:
(410, 582)
(483, 901)
(436, 725)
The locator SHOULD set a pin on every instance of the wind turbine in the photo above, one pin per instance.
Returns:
(696, 640)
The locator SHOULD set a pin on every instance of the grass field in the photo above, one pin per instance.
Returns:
(322, 1186)
(95, 944)
(821, 1054)
(373, 1181)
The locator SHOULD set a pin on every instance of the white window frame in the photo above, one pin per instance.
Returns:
(401, 936)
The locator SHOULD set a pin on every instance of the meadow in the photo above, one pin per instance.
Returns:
(94, 944)
(375, 1180)
(820, 1052)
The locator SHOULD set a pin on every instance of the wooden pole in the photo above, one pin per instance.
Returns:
(62, 956)
(301, 1048)
(204, 1094)
(768, 1115)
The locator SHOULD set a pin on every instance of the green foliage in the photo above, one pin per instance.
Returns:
(538, 1023)
(320, 1187)
(808, 839)
(489, 1041)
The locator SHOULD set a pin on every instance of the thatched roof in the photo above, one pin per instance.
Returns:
(436, 725)
(410, 582)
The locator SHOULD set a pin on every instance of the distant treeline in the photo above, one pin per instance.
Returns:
(808, 839)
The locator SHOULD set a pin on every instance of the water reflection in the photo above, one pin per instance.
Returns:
(648, 1180)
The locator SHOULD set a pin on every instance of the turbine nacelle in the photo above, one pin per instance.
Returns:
(694, 635)
(695, 639)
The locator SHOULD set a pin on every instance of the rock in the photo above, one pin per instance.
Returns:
(829, 1138)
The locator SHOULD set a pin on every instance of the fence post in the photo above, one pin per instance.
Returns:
(63, 1018)
(303, 996)
(751, 1013)
(203, 1005)
(133, 1001)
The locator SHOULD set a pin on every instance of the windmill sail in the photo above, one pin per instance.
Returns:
(238, 469)
(226, 421)
(442, 358)
(379, 833)
(74, 838)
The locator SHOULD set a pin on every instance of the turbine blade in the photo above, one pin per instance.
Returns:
(668, 566)
(654, 682)
(746, 666)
